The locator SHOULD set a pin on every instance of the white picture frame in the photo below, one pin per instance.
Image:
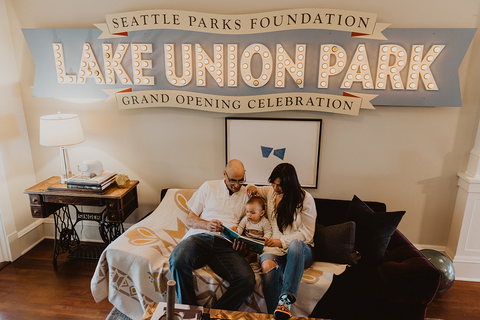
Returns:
(263, 143)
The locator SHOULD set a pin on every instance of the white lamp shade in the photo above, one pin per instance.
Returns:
(60, 130)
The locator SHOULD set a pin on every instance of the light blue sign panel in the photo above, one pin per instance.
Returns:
(444, 68)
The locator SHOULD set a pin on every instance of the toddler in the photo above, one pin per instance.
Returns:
(255, 224)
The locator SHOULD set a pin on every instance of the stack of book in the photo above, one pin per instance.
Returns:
(97, 183)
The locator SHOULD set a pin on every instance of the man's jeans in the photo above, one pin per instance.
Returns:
(286, 277)
(205, 249)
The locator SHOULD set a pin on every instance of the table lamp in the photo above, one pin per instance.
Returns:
(61, 130)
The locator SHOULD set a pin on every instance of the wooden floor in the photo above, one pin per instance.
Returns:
(31, 288)
(460, 302)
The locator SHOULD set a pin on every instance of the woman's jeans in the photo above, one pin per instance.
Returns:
(286, 277)
(205, 249)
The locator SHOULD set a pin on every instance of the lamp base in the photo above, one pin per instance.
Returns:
(66, 171)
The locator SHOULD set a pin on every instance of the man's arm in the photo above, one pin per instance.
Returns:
(195, 222)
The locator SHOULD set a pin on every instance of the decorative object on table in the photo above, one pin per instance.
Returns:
(122, 180)
(181, 311)
(91, 168)
(444, 265)
(170, 314)
(100, 182)
(61, 130)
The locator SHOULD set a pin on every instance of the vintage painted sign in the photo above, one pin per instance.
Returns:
(303, 59)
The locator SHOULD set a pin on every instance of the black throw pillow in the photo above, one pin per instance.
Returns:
(336, 243)
(373, 230)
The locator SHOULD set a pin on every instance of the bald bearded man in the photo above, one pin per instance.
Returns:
(213, 204)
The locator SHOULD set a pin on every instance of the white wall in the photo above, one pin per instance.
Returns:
(16, 167)
(407, 157)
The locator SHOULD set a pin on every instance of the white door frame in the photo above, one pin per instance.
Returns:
(5, 254)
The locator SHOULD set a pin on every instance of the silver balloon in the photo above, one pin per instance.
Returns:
(444, 265)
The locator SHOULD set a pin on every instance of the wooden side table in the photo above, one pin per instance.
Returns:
(225, 315)
(51, 197)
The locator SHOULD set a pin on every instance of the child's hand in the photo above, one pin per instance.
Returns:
(235, 228)
(251, 191)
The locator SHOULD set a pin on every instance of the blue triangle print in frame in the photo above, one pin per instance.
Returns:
(279, 153)
(266, 151)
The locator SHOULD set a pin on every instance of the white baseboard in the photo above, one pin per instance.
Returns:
(466, 270)
(15, 248)
(31, 227)
(441, 249)
(27, 238)
(32, 246)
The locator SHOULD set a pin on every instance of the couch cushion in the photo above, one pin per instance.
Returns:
(373, 230)
(336, 243)
(334, 211)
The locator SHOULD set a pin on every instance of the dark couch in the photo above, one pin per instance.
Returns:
(399, 286)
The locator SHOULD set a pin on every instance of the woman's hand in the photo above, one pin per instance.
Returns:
(274, 243)
(251, 191)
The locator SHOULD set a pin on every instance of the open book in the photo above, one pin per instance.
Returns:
(253, 243)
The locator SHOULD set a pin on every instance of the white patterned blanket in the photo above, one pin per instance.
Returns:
(133, 271)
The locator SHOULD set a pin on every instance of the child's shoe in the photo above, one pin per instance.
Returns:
(282, 312)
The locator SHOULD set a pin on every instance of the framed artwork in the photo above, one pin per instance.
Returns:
(263, 143)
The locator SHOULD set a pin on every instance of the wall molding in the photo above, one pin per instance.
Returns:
(441, 249)
(5, 254)
(30, 228)
(466, 270)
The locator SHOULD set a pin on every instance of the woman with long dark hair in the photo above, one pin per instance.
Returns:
(292, 214)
